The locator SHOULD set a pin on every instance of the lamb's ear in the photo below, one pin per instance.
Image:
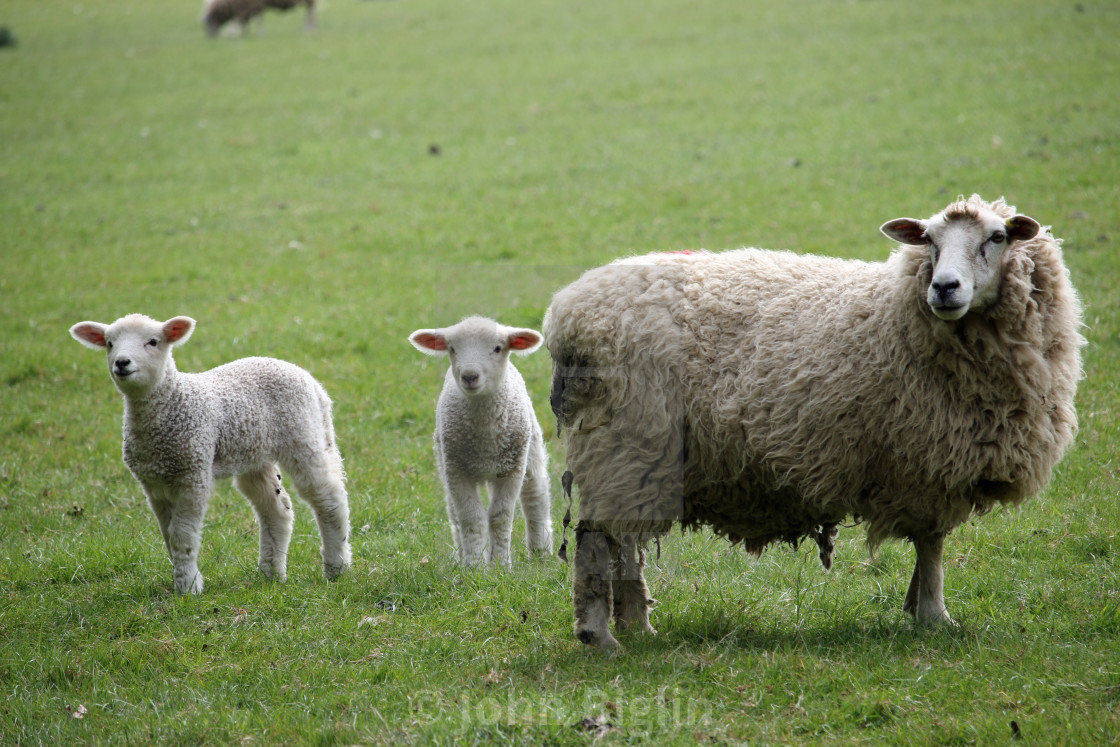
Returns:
(90, 334)
(178, 330)
(429, 341)
(905, 231)
(1021, 228)
(524, 341)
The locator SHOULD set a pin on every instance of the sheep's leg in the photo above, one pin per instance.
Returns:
(180, 513)
(319, 481)
(468, 520)
(631, 595)
(536, 503)
(274, 515)
(925, 598)
(591, 588)
(503, 501)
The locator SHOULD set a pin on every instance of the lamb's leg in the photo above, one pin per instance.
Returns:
(274, 515)
(180, 513)
(925, 598)
(319, 481)
(591, 588)
(468, 520)
(503, 502)
(536, 503)
(631, 595)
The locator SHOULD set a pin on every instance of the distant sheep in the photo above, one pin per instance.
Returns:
(771, 396)
(182, 431)
(487, 433)
(217, 13)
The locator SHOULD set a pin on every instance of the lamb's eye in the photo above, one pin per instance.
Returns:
(153, 342)
(998, 237)
(498, 349)
(933, 251)
(451, 349)
(109, 344)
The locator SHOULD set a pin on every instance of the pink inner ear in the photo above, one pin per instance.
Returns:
(430, 341)
(92, 334)
(176, 330)
(523, 341)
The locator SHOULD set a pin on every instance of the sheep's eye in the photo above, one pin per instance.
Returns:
(153, 342)
(451, 349)
(498, 349)
(109, 344)
(998, 237)
(933, 251)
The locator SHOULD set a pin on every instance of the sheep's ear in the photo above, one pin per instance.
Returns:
(905, 231)
(1021, 228)
(429, 342)
(178, 330)
(90, 334)
(524, 341)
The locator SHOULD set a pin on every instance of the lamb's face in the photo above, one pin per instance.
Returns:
(137, 348)
(479, 349)
(966, 251)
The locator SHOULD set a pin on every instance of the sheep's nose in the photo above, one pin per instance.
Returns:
(944, 289)
(469, 379)
(122, 364)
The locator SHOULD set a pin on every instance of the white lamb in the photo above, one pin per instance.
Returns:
(771, 395)
(182, 431)
(486, 432)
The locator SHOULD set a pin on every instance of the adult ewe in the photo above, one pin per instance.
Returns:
(771, 395)
(487, 434)
(217, 13)
(182, 431)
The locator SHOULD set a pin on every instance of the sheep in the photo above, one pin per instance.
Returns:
(242, 419)
(486, 432)
(217, 13)
(771, 396)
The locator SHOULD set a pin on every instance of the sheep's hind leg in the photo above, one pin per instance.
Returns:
(591, 588)
(631, 595)
(925, 598)
(320, 483)
(274, 512)
(536, 504)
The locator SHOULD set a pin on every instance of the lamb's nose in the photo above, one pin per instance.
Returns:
(123, 363)
(469, 379)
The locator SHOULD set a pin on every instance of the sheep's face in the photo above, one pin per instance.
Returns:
(479, 349)
(137, 347)
(966, 250)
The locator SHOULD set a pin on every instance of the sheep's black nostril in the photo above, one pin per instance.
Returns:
(942, 288)
(123, 363)
(469, 379)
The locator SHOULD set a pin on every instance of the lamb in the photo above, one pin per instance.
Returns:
(217, 13)
(771, 396)
(242, 419)
(486, 432)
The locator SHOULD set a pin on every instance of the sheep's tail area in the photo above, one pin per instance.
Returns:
(625, 433)
(326, 412)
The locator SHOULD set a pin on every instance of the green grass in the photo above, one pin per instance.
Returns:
(283, 190)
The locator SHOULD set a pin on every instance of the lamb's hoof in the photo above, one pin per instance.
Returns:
(272, 573)
(333, 571)
(603, 639)
(194, 586)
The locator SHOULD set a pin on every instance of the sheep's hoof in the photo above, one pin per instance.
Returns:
(273, 574)
(334, 571)
(604, 640)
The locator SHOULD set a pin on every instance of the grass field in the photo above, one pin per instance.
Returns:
(317, 196)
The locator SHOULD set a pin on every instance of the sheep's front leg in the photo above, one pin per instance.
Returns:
(274, 512)
(591, 588)
(180, 513)
(468, 520)
(536, 503)
(631, 595)
(925, 598)
(503, 500)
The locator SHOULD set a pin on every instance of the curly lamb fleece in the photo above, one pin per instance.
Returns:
(771, 395)
(242, 419)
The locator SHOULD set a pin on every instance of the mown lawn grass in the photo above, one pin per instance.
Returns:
(317, 196)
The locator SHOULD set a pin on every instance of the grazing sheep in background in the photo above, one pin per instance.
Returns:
(770, 396)
(182, 431)
(217, 13)
(487, 433)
